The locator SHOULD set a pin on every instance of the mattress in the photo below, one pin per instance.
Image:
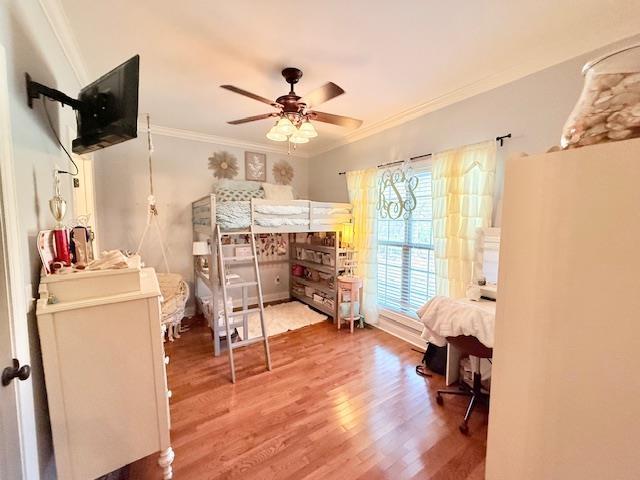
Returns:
(237, 214)
(281, 209)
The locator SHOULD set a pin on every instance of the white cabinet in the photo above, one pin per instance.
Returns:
(565, 388)
(104, 369)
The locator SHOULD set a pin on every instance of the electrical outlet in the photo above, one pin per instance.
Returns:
(277, 279)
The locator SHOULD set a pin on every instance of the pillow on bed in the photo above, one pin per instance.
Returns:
(224, 194)
(277, 192)
(235, 185)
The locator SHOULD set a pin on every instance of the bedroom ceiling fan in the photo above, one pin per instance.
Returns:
(295, 113)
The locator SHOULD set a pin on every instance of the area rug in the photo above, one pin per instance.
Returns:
(283, 317)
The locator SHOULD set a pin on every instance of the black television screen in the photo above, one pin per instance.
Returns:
(109, 109)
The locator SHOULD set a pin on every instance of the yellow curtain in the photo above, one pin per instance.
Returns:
(463, 181)
(362, 186)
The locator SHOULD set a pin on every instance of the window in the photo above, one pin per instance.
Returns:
(406, 262)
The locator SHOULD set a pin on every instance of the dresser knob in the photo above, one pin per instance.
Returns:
(169, 393)
(166, 359)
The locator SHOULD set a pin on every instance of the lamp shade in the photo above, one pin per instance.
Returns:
(347, 234)
(285, 127)
(275, 135)
(307, 130)
(201, 248)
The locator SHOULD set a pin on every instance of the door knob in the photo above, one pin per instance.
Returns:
(15, 371)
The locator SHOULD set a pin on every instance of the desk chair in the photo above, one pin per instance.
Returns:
(471, 346)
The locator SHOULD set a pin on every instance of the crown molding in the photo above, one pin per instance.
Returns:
(465, 92)
(214, 139)
(437, 103)
(61, 28)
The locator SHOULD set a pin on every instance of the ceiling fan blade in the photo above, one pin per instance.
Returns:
(339, 120)
(252, 119)
(240, 91)
(320, 95)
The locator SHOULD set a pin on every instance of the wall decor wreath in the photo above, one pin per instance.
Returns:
(283, 172)
(223, 164)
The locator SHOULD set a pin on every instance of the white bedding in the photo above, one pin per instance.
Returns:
(331, 211)
(447, 317)
(332, 220)
(280, 222)
(281, 209)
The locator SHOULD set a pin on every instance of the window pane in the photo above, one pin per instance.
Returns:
(421, 232)
(394, 256)
(396, 230)
(383, 231)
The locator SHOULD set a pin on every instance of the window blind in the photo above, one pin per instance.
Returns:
(406, 262)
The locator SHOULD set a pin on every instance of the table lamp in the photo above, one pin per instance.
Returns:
(202, 250)
(347, 235)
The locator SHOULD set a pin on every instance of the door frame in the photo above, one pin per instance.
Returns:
(16, 285)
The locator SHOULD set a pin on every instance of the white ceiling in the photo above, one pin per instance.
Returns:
(389, 56)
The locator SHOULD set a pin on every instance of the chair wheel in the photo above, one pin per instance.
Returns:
(439, 399)
(464, 428)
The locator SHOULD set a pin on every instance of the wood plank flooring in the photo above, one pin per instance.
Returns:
(335, 406)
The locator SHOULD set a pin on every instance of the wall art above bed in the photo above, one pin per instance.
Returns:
(283, 172)
(223, 164)
(255, 166)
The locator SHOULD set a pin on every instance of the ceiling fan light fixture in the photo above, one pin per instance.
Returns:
(285, 127)
(297, 138)
(307, 130)
(275, 135)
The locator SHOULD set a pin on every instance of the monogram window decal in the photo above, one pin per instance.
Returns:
(396, 193)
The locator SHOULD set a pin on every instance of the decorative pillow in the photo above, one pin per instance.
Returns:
(277, 192)
(235, 185)
(224, 194)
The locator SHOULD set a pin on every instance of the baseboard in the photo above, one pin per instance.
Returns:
(397, 330)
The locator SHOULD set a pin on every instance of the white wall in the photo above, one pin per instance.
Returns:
(533, 109)
(31, 47)
(181, 175)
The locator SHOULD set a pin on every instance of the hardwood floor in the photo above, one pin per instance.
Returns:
(335, 405)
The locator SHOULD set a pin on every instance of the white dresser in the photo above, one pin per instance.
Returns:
(104, 367)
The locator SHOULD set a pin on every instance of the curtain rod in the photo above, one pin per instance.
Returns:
(500, 139)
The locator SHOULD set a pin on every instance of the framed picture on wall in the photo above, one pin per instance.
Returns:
(255, 166)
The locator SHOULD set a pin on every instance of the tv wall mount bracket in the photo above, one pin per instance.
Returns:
(35, 89)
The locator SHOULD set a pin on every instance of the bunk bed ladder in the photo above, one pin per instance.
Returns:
(229, 314)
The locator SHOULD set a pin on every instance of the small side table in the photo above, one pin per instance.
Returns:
(354, 286)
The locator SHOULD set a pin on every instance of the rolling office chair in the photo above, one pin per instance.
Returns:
(471, 346)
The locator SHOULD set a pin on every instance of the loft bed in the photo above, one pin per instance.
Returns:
(299, 221)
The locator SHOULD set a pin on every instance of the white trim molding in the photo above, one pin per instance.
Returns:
(495, 80)
(402, 327)
(19, 300)
(207, 138)
(57, 18)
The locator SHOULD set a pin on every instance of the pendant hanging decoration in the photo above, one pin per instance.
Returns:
(396, 193)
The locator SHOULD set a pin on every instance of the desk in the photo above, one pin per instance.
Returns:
(453, 354)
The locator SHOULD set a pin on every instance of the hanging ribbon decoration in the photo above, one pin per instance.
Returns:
(396, 193)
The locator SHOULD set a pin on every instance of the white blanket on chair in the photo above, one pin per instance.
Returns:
(448, 317)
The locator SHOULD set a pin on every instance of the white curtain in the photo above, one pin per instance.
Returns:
(362, 186)
(463, 181)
